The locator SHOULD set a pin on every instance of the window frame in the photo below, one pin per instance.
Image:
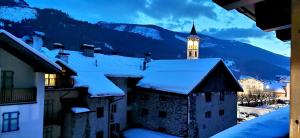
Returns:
(48, 80)
(9, 119)
(221, 112)
(208, 96)
(207, 114)
(100, 112)
(162, 114)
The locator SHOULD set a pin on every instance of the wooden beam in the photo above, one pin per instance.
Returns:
(234, 4)
(273, 15)
(295, 72)
(284, 34)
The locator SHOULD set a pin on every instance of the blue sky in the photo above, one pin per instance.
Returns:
(177, 15)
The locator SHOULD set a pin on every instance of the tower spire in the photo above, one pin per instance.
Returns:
(193, 44)
(193, 31)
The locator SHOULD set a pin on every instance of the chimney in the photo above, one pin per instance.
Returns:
(37, 40)
(61, 53)
(147, 59)
(87, 50)
(97, 50)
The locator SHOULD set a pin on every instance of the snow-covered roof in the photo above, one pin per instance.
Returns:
(144, 133)
(92, 71)
(78, 110)
(274, 124)
(98, 85)
(30, 49)
(177, 76)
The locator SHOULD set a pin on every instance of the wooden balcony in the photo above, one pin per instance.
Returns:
(17, 96)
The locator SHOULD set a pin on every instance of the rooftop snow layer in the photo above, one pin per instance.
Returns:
(178, 76)
(143, 133)
(77, 110)
(92, 70)
(98, 85)
(274, 124)
(28, 47)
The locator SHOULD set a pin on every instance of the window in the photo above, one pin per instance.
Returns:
(100, 111)
(221, 112)
(190, 53)
(7, 80)
(48, 132)
(207, 114)
(144, 97)
(10, 121)
(49, 110)
(144, 112)
(115, 127)
(162, 98)
(222, 94)
(162, 114)
(50, 80)
(207, 96)
(113, 108)
(99, 134)
(162, 129)
(196, 55)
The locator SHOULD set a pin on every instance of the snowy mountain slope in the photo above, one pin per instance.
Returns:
(134, 40)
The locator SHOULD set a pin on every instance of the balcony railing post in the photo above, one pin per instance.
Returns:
(18, 95)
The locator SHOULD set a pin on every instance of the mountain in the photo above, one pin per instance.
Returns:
(134, 40)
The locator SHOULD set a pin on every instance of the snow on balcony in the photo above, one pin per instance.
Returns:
(274, 124)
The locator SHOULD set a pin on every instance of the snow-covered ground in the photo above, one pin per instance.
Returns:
(108, 46)
(147, 32)
(143, 133)
(274, 124)
(247, 113)
(183, 39)
(17, 14)
(1, 24)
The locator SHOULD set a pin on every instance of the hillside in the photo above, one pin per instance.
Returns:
(134, 40)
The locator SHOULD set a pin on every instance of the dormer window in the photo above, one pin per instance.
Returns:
(50, 80)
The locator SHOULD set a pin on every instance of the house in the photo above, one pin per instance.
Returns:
(186, 98)
(92, 105)
(22, 70)
(251, 84)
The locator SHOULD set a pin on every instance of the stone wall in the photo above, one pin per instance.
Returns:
(146, 108)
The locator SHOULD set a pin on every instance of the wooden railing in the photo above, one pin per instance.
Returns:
(17, 95)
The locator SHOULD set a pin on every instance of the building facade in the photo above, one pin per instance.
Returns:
(21, 88)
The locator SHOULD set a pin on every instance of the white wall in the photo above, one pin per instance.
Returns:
(31, 115)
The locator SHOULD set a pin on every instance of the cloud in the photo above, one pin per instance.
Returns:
(177, 9)
(236, 33)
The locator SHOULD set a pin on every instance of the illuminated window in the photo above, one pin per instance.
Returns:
(50, 79)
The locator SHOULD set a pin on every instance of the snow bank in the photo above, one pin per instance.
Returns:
(147, 32)
(274, 124)
(17, 14)
(177, 76)
(80, 110)
(143, 133)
